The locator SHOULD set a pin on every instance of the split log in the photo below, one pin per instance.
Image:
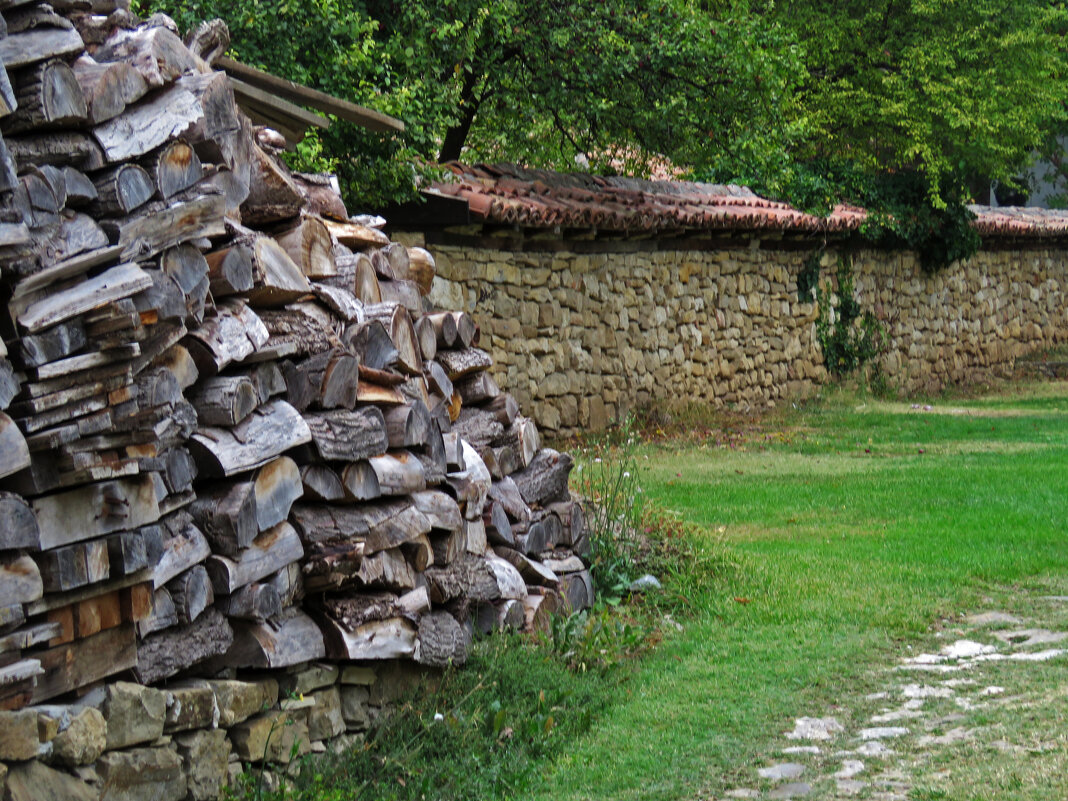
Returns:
(64, 569)
(428, 342)
(127, 552)
(533, 572)
(140, 129)
(7, 94)
(78, 664)
(544, 480)
(298, 330)
(121, 190)
(373, 344)
(39, 44)
(321, 483)
(80, 190)
(108, 88)
(421, 269)
(499, 616)
(321, 195)
(433, 455)
(329, 379)
(447, 547)
(18, 525)
(498, 527)
(398, 324)
(163, 614)
(439, 380)
(182, 546)
(273, 195)
(539, 609)
(21, 581)
(509, 580)
(174, 168)
(377, 526)
(268, 553)
(360, 482)
(475, 536)
(406, 294)
(291, 638)
(407, 426)
(191, 593)
(14, 453)
(459, 363)
(419, 553)
(113, 284)
(348, 435)
(523, 438)
(472, 485)
(386, 570)
(444, 324)
(479, 427)
(48, 96)
(356, 236)
(157, 54)
(232, 335)
(441, 641)
(309, 246)
(224, 400)
(227, 515)
(466, 330)
(252, 602)
(60, 148)
(380, 639)
(276, 486)
(188, 268)
(94, 510)
(169, 652)
(165, 224)
(398, 473)
(267, 433)
(576, 590)
(276, 278)
(454, 452)
(230, 270)
(341, 302)
(355, 610)
(288, 583)
(468, 577)
(365, 282)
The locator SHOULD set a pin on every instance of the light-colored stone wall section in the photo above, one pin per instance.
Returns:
(582, 338)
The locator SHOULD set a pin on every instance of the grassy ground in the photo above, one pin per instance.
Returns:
(857, 528)
(824, 547)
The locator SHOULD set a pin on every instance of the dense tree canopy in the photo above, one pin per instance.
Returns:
(898, 104)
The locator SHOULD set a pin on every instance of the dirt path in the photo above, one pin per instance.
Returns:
(978, 715)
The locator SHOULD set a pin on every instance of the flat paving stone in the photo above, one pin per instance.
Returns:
(921, 691)
(896, 715)
(815, 729)
(874, 748)
(787, 770)
(967, 649)
(1029, 638)
(992, 690)
(849, 769)
(993, 619)
(801, 749)
(883, 732)
(791, 790)
(952, 736)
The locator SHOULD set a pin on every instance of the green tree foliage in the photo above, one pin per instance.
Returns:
(898, 105)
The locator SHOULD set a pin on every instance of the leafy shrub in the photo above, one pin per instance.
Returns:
(849, 336)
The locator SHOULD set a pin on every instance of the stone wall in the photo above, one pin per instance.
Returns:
(580, 338)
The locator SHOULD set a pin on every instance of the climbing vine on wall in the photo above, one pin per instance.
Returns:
(849, 336)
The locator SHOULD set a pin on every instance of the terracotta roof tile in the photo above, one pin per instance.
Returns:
(533, 198)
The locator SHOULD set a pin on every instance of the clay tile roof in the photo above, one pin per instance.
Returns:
(534, 198)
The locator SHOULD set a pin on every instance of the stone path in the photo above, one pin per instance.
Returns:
(931, 701)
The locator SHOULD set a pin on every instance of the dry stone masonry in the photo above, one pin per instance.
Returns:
(596, 295)
(251, 483)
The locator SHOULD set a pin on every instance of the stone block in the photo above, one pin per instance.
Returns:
(358, 674)
(325, 719)
(83, 741)
(354, 702)
(272, 737)
(33, 781)
(192, 707)
(239, 700)
(311, 678)
(19, 735)
(205, 760)
(142, 774)
(134, 714)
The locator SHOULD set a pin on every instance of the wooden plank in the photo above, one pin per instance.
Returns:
(39, 44)
(142, 128)
(94, 510)
(343, 109)
(78, 664)
(267, 105)
(60, 600)
(113, 284)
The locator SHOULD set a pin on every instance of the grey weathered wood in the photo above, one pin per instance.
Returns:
(94, 510)
(122, 189)
(157, 54)
(444, 324)
(507, 494)
(439, 380)
(233, 334)
(532, 571)
(544, 480)
(347, 435)
(273, 196)
(398, 324)
(268, 553)
(163, 614)
(291, 638)
(108, 88)
(308, 245)
(471, 485)
(165, 224)
(407, 426)
(371, 341)
(406, 294)
(252, 602)
(441, 641)
(380, 639)
(174, 168)
(166, 653)
(267, 433)
(321, 483)
(183, 545)
(117, 282)
(398, 473)
(60, 148)
(191, 593)
(48, 96)
(468, 577)
(460, 363)
(498, 526)
(142, 128)
(276, 278)
(227, 515)
(20, 581)
(39, 44)
(224, 400)
(340, 301)
(83, 662)
(18, 525)
(360, 482)
(80, 190)
(63, 569)
(439, 508)
(127, 552)
(276, 486)
(230, 270)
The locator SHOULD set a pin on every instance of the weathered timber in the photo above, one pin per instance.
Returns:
(39, 44)
(347, 435)
(77, 664)
(398, 473)
(18, 524)
(509, 580)
(532, 571)
(227, 515)
(20, 581)
(544, 480)
(268, 553)
(428, 343)
(441, 641)
(372, 342)
(291, 638)
(108, 88)
(356, 236)
(380, 639)
(230, 270)
(296, 331)
(166, 653)
(459, 363)
(113, 284)
(232, 335)
(142, 128)
(398, 324)
(191, 593)
(164, 224)
(162, 616)
(51, 345)
(224, 400)
(273, 196)
(174, 168)
(468, 577)
(122, 189)
(60, 148)
(444, 324)
(406, 294)
(340, 301)
(471, 485)
(14, 453)
(407, 426)
(276, 486)
(182, 546)
(276, 278)
(48, 96)
(95, 510)
(267, 433)
(252, 602)
(156, 53)
(439, 508)
(308, 245)
(498, 526)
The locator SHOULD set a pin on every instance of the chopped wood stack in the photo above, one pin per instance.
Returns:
(232, 436)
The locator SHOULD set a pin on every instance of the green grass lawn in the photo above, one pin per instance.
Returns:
(853, 528)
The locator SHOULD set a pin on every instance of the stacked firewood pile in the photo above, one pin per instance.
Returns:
(234, 434)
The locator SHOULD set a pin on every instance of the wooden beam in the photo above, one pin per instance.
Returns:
(343, 109)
